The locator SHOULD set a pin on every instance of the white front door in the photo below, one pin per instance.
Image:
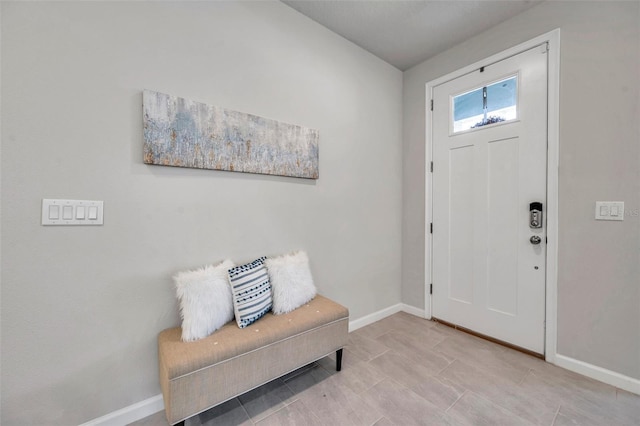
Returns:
(488, 261)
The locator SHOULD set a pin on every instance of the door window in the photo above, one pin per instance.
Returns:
(494, 103)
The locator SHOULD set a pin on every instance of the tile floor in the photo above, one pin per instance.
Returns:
(404, 370)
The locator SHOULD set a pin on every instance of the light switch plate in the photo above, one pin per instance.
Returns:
(609, 210)
(72, 212)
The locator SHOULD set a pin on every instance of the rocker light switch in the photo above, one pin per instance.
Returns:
(67, 212)
(54, 212)
(609, 210)
(72, 212)
(80, 212)
(93, 213)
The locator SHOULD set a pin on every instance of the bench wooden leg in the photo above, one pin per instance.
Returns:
(339, 360)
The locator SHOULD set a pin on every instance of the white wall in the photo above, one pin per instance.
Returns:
(82, 306)
(599, 262)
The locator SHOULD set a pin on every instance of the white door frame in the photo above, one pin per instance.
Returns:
(553, 141)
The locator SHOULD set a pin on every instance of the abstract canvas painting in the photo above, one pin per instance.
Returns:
(183, 133)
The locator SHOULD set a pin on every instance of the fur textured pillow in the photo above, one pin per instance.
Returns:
(291, 281)
(205, 300)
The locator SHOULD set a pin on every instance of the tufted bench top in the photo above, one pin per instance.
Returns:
(181, 358)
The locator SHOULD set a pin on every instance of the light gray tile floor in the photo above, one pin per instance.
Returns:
(404, 370)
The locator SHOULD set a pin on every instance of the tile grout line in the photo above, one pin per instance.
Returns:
(300, 371)
(456, 401)
(266, 417)
(553, 422)
(384, 377)
(379, 355)
(445, 367)
(291, 390)
(441, 342)
(525, 376)
(374, 423)
(294, 398)
(489, 400)
(246, 412)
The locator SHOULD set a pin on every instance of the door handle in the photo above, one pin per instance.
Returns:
(535, 240)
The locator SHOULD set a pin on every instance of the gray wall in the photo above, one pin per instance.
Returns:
(599, 262)
(82, 306)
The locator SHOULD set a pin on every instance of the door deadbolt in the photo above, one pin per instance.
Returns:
(535, 215)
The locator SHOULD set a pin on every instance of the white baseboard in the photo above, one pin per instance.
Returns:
(129, 414)
(598, 373)
(414, 311)
(383, 313)
(376, 316)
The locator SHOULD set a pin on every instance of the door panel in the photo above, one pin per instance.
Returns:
(487, 275)
(502, 199)
(461, 201)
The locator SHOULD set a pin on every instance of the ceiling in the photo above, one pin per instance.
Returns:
(407, 32)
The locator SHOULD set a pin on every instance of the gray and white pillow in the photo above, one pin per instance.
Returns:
(205, 300)
(251, 291)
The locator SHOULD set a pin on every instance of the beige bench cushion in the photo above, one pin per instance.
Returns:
(185, 357)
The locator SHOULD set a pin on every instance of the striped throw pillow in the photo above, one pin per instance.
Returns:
(251, 291)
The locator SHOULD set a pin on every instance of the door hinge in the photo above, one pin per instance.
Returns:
(431, 228)
(430, 288)
(431, 104)
(432, 167)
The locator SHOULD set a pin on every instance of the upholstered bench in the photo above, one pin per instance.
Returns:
(196, 376)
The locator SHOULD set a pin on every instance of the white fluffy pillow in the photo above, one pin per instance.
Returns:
(205, 300)
(291, 282)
